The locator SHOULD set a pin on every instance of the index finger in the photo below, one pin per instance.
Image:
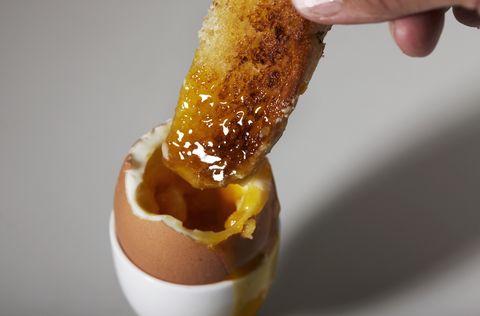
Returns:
(369, 11)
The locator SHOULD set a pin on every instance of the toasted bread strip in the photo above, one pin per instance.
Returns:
(255, 58)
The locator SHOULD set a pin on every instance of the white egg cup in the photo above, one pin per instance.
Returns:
(149, 296)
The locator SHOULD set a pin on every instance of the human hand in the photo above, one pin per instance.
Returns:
(416, 25)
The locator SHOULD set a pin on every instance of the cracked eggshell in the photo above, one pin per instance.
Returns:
(163, 251)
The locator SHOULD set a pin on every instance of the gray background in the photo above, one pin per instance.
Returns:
(378, 171)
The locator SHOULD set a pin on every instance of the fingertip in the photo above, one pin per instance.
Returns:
(418, 35)
(467, 17)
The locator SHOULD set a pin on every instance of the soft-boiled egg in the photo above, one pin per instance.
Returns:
(184, 251)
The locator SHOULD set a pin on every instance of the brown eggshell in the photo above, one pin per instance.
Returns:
(166, 254)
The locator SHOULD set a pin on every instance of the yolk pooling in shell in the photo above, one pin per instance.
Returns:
(212, 214)
(205, 210)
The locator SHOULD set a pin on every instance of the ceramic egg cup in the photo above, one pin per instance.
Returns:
(149, 296)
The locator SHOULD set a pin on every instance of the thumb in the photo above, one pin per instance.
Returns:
(368, 11)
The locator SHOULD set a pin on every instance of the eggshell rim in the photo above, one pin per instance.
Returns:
(139, 156)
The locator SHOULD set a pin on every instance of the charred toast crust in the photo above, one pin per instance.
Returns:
(255, 58)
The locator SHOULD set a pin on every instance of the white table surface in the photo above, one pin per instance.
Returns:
(378, 171)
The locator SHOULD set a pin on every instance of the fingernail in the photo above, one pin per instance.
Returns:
(319, 8)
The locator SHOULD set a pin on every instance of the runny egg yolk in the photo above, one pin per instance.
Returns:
(210, 215)
(219, 126)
